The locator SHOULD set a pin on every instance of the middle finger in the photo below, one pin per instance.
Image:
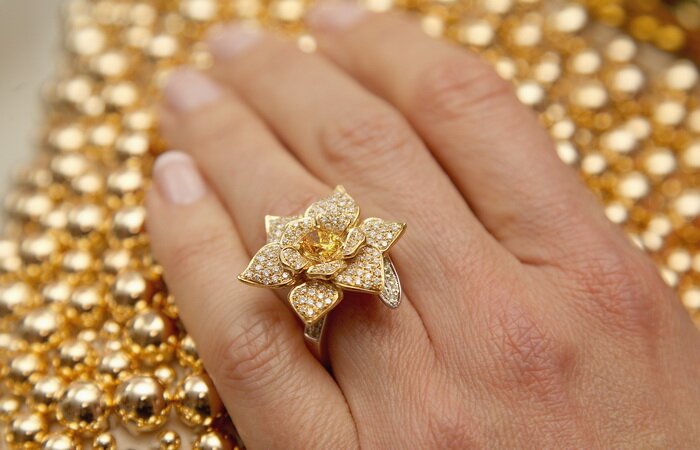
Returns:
(346, 135)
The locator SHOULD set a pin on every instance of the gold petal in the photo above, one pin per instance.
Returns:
(335, 213)
(326, 270)
(380, 234)
(295, 230)
(353, 242)
(274, 226)
(314, 299)
(365, 273)
(294, 260)
(266, 269)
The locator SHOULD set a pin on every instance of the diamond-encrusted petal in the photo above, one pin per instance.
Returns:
(312, 300)
(365, 272)
(336, 212)
(291, 258)
(353, 242)
(326, 270)
(391, 293)
(381, 234)
(295, 230)
(266, 269)
(274, 226)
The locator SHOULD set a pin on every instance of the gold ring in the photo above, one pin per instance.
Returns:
(322, 253)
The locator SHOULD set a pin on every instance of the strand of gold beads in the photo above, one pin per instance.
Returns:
(85, 318)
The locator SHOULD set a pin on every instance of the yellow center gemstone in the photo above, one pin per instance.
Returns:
(322, 246)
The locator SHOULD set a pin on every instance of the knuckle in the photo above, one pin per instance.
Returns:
(529, 358)
(249, 352)
(622, 291)
(368, 138)
(459, 87)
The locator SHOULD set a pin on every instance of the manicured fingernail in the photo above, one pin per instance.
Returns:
(187, 90)
(177, 178)
(335, 15)
(232, 40)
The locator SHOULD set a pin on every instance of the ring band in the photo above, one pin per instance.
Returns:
(323, 253)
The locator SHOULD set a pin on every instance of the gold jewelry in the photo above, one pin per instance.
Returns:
(322, 253)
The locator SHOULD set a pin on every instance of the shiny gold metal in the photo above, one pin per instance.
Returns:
(150, 337)
(45, 393)
(60, 441)
(212, 440)
(83, 407)
(22, 371)
(9, 407)
(169, 440)
(197, 402)
(104, 441)
(141, 404)
(187, 353)
(26, 431)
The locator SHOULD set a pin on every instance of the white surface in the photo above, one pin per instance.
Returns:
(29, 31)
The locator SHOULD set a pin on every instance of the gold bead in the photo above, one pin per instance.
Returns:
(22, 370)
(129, 222)
(116, 260)
(70, 138)
(45, 393)
(212, 440)
(104, 441)
(60, 441)
(15, 299)
(26, 431)
(87, 41)
(42, 328)
(38, 248)
(10, 344)
(133, 145)
(150, 337)
(56, 293)
(77, 261)
(198, 403)
(130, 291)
(140, 403)
(74, 357)
(83, 407)
(187, 353)
(9, 407)
(165, 374)
(114, 366)
(169, 440)
(86, 306)
(85, 219)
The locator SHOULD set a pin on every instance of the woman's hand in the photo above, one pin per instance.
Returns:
(529, 320)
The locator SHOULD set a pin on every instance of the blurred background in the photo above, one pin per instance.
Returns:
(29, 36)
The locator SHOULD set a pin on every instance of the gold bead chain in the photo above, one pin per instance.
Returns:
(88, 331)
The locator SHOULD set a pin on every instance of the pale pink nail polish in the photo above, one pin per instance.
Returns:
(177, 178)
(187, 90)
(335, 15)
(232, 40)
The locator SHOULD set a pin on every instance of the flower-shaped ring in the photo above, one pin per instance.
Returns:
(322, 253)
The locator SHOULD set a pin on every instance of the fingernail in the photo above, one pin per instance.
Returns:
(335, 15)
(177, 178)
(187, 90)
(232, 40)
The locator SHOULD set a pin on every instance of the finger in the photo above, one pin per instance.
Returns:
(342, 132)
(492, 146)
(255, 176)
(274, 389)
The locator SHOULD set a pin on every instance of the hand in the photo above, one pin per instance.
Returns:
(528, 321)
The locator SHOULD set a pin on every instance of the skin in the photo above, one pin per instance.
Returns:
(529, 321)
